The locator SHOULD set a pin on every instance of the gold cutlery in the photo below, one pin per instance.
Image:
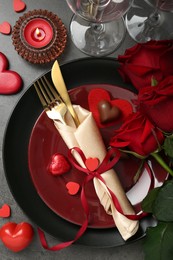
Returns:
(59, 83)
(52, 103)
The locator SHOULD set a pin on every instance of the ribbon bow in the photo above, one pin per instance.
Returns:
(111, 158)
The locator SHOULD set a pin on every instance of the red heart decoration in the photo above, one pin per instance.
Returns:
(16, 237)
(5, 28)
(5, 211)
(18, 5)
(10, 81)
(72, 187)
(92, 163)
(97, 95)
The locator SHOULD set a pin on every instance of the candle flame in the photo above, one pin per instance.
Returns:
(37, 32)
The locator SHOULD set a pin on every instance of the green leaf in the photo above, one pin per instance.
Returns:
(168, 146)
(147, 203)
(163, 205)
(158, 243)
(154, 82)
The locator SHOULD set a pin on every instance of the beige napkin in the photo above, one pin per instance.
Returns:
(88, 138)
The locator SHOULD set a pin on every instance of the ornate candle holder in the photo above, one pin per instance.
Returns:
(39, 36)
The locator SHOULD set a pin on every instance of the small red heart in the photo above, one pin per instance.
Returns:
(5, 28)
(16, 237)
(96, 95)
(5, 211)
(18, 5)
(72, 187)
(10, 81)
(58, 164)
(92, 163)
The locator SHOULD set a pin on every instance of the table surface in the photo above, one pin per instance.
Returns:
(29, 73)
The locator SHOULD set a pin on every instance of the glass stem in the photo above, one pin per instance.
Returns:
(154, 18)
(151, 22)
(95, 34)
(97, 28)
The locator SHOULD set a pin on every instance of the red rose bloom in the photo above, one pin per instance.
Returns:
(144, 61)
(156, 102)
(137, 134)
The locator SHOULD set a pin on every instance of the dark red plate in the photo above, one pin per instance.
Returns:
(15, 156)
(45, 141)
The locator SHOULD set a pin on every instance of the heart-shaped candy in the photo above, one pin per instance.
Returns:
(10, 81)
(18, 5)
(92, 163)
(58, 164)
(5, 211)
(116, 109)
(72, 187)
(108, 113)
(5, 28)
(16, 237)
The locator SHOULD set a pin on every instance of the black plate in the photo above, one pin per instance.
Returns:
(15, 156)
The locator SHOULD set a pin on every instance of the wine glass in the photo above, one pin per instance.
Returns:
(150, 20)
(97, 27)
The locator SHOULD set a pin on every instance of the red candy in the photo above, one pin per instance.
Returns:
(10, 81)
(5, 28)
(18, 5)
(16, 237)
(58, 164)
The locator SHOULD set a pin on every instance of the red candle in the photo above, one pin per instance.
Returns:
(38, 32)
(39, 36)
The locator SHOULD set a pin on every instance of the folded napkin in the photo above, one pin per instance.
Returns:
(88, 138)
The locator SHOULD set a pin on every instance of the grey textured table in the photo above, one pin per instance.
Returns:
(29, 73)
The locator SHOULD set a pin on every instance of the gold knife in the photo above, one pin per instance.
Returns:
(59, 83)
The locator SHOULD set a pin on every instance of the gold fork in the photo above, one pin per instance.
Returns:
(52, 103)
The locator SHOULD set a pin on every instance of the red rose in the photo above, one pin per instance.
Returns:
(144, 61)
(137, 134)
(157, 104)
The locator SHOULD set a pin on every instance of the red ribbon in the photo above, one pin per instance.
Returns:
(111, 158)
